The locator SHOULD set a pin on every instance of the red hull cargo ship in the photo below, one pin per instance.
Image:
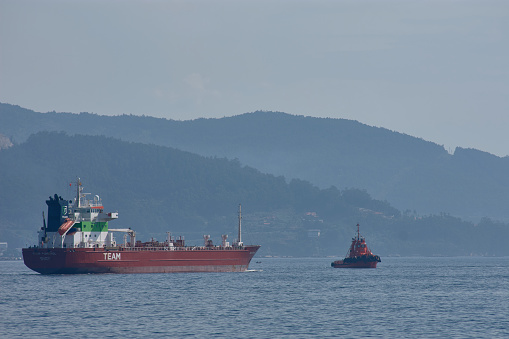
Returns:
(359, 255)
(77, 239)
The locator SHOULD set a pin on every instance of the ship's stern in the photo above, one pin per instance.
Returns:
(44, 260)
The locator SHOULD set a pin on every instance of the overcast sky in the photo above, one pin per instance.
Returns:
(438, 70)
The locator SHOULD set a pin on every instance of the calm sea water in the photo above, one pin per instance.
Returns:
(402, 298)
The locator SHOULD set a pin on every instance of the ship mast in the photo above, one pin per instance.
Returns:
(240, 225)
(78, 186)
(358, 233)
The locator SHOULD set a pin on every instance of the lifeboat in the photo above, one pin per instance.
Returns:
(359, 255)
(65, 226)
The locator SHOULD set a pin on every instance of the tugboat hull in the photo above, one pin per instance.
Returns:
(360, 264)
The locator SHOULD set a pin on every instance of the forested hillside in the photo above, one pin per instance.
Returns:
(157, 189)
(411, 173)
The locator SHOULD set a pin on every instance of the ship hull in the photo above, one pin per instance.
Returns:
(135, 260)
(359, 264)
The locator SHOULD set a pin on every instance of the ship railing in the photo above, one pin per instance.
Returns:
(175, 248)
(91, 203)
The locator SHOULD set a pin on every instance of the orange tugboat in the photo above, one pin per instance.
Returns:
(359, 255)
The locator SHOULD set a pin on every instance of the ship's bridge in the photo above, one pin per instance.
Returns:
(91, 209)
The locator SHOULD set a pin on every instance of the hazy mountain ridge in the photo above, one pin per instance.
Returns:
(157, 189)
(409, 172)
